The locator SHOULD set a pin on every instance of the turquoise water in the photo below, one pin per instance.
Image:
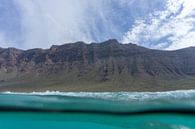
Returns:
(123, 110)
(20, 120)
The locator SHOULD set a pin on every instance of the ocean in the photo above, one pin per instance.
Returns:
(92, 110)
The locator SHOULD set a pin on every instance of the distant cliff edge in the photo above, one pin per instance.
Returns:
(106, 66)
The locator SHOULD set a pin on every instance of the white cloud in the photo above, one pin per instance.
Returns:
(172, 28)
(60, 21)
(46, 22)
(43, 23)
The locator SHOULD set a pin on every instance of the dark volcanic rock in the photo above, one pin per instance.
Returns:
(100, 63)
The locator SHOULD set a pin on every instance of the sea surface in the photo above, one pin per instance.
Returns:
(91, 110)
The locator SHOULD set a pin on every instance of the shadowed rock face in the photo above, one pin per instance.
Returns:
(107, 63)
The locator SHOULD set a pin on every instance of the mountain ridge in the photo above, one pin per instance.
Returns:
(107, 66)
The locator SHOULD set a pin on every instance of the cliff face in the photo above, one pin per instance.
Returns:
(108, 66)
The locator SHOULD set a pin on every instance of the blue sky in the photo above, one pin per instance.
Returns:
(159, 24)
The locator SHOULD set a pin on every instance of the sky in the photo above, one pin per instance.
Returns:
(157, 24)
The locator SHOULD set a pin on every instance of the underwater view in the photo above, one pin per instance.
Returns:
(106, 110)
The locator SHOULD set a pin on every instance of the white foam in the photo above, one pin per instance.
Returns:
(117, 95)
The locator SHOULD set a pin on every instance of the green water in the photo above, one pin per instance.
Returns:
(88, 112)
(19, 120)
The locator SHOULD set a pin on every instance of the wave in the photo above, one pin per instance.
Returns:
(179, 94)
(101, 102)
